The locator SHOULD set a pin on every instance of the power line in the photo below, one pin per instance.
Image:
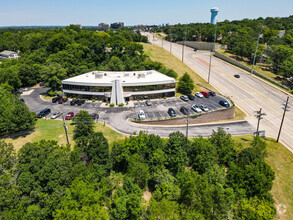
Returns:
(259, 115)
(285, 109)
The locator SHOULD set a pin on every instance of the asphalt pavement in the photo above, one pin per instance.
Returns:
(248, 92)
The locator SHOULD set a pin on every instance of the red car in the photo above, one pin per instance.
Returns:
(62, 100)
(205, 94)
(69, 115)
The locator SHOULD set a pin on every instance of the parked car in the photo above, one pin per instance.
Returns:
(62, 100)
(55, 99)
(21, 99)
(224, 103)
(73, 102)
(196, 108)
(55, 115)
(237, 76)
(148, 103)
(95, 116)
(204, 108)
(199, 95)
(69, 115)
(212, 93)
(172, 112)
(80, 102)
(184, 98)
(44, 113)
(141, 115)
(191, 97)
(184, 110)
(205, 94)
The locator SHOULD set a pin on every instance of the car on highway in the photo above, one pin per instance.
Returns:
(237, 76)
(56, 115)
(44, 113)
(55, 99)
(95, 116)
(191, 97)
(196, 108)
(69, 115)
(141, 115)
(212, 93)
(199, 95)
(148, 103)
(80, 102)
(172, 112)
(62, 100)
(224, 103)
(204, 108)
(184, 98)
(184, 110)
(205, 94)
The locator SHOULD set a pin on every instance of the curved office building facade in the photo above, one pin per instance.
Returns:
(119, 87)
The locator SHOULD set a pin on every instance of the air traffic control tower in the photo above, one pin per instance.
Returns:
(214, 13)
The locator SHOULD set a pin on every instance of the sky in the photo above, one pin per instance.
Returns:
(132, 12)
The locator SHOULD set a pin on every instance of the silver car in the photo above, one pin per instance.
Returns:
(56, 115)
(204, 108)
(196, 108)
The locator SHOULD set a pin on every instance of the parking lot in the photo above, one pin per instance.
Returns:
(160, 107)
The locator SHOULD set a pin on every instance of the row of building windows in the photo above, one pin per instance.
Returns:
(125, 88)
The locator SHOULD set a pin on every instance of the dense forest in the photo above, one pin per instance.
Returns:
(52, 55)
(240, 36)
(140, 177)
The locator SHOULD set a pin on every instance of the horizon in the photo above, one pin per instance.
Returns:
(91, 12)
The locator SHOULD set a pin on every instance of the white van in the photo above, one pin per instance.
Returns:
(141, 115)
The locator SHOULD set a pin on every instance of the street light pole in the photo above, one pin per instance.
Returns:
(184, 43)
(255, 53)
(212, 52)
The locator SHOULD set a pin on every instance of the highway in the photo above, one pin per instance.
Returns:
(249, 92)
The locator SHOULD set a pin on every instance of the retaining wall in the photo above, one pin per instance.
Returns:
(203, 45)
(224, 114)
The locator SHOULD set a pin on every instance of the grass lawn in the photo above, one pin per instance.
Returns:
(161, 55)
(281, 161)
(53, 130)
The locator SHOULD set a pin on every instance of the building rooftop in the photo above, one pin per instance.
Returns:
(106, 78)
(7, 52)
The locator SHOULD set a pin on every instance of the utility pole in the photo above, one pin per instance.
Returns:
(65, 128)
(285, 109)
(187, 119)
(184, 43)
(255, 53)
(258, 116)
(214, 46)
(170, 40)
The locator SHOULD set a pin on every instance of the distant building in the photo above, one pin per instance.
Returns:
(117, 25)
(78, 25)
(140, 26)
(7, 55)
(104, 26)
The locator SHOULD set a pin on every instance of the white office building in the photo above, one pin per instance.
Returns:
(7, 55)
(119, 87)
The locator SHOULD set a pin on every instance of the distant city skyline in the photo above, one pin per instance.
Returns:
(133, 12)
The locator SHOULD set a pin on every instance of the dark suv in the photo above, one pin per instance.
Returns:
(184, 110)
(62, 100)
(55, 99)
(80, 102)
(44, 112)
(171, 112)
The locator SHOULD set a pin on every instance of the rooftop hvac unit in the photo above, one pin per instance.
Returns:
(98, 75)
(126, 74)
(141, 75)
(149, 72)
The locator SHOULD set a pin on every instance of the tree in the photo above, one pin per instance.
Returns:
(186, 84)
(84, 125)
(164, 210)
(53, 74)
(15, 115)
